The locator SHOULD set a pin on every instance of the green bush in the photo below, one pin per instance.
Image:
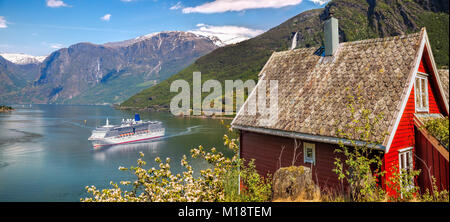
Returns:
(435, 195)
(402, 184)
(255, 187)
(361, 164)
(439, 129)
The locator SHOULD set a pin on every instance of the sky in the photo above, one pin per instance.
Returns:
(39, 27)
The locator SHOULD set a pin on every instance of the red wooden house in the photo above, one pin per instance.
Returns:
(397, 77)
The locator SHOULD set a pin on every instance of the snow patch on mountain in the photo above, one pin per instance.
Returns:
(23, 59)
(213, 38)
(225, 35)
(182, 34)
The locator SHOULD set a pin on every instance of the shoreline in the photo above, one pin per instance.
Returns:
(206, 117)
(164, 109)
(6, 109)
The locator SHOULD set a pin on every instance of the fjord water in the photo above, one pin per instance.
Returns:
(45, 154)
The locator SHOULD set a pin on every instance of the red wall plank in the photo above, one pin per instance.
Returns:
(434, 160)
(266, 149)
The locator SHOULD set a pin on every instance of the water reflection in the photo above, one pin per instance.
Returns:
(102, 153)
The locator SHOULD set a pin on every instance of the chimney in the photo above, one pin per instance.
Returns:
(331, 33)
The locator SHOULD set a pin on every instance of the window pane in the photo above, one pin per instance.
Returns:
(406, 164)
(410, 160)
(417, 90)
(423, 85)
(400, 162)
(424, 93)
(407, 161)
(309, 153)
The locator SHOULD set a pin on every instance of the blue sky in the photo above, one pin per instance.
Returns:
(39, 27)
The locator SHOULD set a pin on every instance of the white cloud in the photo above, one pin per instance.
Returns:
(56, 45)
(319, 2)
(3, 22)
(176, 6)
(226, 34)
(56, 3)
(106, 17)
(218, 6)
(53, 45)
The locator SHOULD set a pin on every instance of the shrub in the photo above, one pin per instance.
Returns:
(435, 195)
(439, 129)
(361, 164)
(402, 183)
(255, 187)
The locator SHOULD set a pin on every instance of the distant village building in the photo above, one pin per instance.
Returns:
(397, 77)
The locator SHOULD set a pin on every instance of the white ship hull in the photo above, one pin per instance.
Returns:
(126, 139)
(131, 131)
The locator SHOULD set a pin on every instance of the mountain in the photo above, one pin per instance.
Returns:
(22, 59)
(87, 73)
(15, 76)
(9, 81)
(125, 43)
(357, 20)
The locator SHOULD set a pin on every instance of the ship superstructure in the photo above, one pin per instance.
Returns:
(130, 131)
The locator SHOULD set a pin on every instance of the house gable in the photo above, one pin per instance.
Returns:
(404, 135)
(437, 103)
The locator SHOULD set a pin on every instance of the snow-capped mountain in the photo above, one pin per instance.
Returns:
(87, 73)
(213, 38)
(128, 42)
(22, 59)
(225, 35)
(131, 41)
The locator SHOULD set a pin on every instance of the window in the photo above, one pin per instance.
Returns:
(405, 162)
(421, 92)
(309, 151)
(405, 159)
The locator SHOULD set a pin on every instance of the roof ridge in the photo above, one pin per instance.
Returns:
(412, 35)
(363, 41)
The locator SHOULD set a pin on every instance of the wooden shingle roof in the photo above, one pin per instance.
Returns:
(444, 76)
(313, 90)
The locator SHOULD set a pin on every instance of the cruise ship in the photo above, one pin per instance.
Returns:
(130, 131)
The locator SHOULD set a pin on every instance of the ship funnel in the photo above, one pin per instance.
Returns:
(137, 117)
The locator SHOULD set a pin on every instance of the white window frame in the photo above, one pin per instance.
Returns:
(306, 159)
(407, 152)
(418, 92)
